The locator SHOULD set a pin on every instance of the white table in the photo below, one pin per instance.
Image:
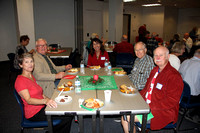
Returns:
(120, 104)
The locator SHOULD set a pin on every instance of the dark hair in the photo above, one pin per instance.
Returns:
(20, 58)
(92, 50)
(176, 37)
(24, 38)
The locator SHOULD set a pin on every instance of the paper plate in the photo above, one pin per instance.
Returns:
(63, 99)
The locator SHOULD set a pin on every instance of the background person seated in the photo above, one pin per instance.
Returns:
(124, 46)
(33, 98)
(97, 55)
(152, 44)
(46, 73)
(177, 50)
(21, 48)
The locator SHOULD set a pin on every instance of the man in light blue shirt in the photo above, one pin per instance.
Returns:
(190, 72)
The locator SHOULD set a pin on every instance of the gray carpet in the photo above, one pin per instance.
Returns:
(10, 116)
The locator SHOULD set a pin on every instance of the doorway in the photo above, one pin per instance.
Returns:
(127, 25)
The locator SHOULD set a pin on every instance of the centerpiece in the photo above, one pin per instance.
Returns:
(95, 80)
(54, 49)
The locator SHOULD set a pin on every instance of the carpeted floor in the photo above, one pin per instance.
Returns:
(10, 116)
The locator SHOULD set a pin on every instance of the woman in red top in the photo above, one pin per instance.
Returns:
(32, 95)
(97, 55)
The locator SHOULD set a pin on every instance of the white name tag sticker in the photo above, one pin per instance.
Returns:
(103, 58)
(159, 86)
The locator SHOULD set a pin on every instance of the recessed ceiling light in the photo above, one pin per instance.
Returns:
(128, 0)
(151, 5)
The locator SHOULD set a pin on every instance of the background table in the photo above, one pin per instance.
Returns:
(60, 59)
(120, 103)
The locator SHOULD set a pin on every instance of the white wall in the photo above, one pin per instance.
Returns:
(8, 32)
(153, 17)
(54, 21)
(187, 19)
(93, 12)
(136, 20)
(170, 23)
(26, 21)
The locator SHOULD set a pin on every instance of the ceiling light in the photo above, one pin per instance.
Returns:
(128, 0)
(151, 5)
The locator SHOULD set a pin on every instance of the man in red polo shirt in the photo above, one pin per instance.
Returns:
(124, 46)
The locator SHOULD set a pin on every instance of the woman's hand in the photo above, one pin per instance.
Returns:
(51, 103)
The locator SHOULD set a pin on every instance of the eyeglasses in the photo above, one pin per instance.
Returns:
(139, 50)
(41, 46)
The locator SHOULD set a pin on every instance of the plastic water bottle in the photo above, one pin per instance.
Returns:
(77, 85)
(106, 65)
(82, 67)
(109, 68)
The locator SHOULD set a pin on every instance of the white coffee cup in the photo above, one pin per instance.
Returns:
(107, 95)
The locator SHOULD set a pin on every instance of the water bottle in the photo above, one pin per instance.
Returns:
(109, 68)
(106, 65)
(82, 67)
(77, 85)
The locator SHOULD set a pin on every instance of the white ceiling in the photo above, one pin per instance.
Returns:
(174, 3)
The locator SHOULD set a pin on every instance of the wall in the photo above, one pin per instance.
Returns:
(153, 17)
(170, 23)
(8, 32)
(25, 21)
(187, 19)
(136, 16)
(54, 21)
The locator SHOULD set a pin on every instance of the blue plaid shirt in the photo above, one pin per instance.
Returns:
(141, 70)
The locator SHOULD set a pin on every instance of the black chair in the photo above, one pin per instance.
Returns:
(125, 60)
(13, 72)
(186, 104)
(31, 124)
(74, 58)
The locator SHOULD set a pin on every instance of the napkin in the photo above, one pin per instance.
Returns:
(149, 116)
(69, 77)
(117, 69)
(88, 108)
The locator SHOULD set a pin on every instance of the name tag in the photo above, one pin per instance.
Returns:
(103, 58)
(134, 69)
(159, 86)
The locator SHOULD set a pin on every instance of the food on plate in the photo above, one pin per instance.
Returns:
(93, 103)
(62, 100)
(66, 87)
(126, 89)
(73, 70)
(69, 83)
(120, 72)
(95, 67)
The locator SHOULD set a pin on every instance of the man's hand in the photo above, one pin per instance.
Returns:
(60, 75)
(69, 66)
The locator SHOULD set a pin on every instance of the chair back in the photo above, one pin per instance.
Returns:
(185, 97)
(74, 58)
(20, 102)
(124, 59)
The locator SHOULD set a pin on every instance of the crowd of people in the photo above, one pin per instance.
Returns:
(158, 73)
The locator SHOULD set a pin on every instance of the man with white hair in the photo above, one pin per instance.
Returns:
(45, 72)
(162, 92)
